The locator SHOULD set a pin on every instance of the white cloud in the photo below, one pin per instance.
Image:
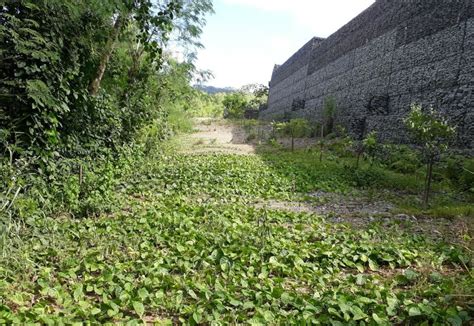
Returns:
(323, 17)
(237, 68)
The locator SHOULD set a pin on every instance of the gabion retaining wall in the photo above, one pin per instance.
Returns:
(395, 53)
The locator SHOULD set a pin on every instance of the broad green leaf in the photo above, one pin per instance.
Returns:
(358, 313)
(197, 317)
(139, 308)
(78, 293)
(373, 265)
(95, 311)
(414, 311)
(143, 293)
(379, 320)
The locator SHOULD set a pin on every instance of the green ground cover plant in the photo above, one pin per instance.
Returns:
(105, 220)
(185, 246)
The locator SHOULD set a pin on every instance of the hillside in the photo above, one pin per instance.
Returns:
(215, 90)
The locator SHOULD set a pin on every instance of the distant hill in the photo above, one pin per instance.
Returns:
(214, 90)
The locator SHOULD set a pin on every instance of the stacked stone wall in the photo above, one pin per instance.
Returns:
(287, 88)
(395, 53)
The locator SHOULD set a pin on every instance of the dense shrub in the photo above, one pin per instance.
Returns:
(294, 128)
(400, 158)
(86, 87)
(460, 171)
(235, 105)
(77, 76)
(365, 177)
(207, 105)
(341, 146)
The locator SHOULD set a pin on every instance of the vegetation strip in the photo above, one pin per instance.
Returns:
(215, 259)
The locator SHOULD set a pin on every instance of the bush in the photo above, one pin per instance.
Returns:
(75, 187)
(467, 176)
(251, 137)
(295, 128)
(329, 113)
(180, 121)
(341, 147)
(235, 105)
(367, 147)
(365, 177)
(399, 158)
(207, 105)
(460, 171)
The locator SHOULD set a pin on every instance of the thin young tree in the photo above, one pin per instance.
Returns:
(433, 133)
(370, 146)
(329, 112)
(296, 128)
(321, 144)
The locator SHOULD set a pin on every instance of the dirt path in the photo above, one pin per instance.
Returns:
(216, 136)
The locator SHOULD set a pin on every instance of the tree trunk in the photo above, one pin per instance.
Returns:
(429, 175)
(95, 84)
(132, 74)
(322, 145)
(359, 153)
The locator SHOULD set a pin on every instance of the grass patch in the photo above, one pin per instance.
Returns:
(440, 211)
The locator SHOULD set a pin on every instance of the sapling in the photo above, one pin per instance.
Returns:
(295, 128)
(327, 124)
(321, 144)
(366, 146)
(370, 145)
(433, 133)
(329, 111)
(359, 141)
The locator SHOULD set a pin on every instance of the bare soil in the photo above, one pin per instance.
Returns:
(217, 136)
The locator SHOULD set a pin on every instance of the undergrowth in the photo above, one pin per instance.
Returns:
(396, 171)
(182, 244)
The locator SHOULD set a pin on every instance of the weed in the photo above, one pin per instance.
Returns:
(219, 259)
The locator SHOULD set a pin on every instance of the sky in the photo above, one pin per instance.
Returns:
(244, 39)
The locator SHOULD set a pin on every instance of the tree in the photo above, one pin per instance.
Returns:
(47, 47)
(234, 105)
(433, 133)
(57, 53)
(369, 144)
(251, 88)
(329, 112)
(104, 59)
(321, 143)
(295, 128)
(154, 22)
(261, 91)
(366, 146)
(258, 94)
(327, 122)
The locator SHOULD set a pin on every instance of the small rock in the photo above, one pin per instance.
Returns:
(404, 217)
